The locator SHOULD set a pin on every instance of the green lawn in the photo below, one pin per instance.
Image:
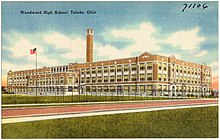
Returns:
(187, 123)
(24, 99)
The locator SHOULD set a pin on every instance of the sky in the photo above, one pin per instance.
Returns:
(121, 29)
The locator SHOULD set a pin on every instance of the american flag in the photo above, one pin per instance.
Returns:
(33, 51)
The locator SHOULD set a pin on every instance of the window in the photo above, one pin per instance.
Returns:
(165, 66)
(133, 77)
(88, 72)
(112, 79)
(159, 87)
(93, 71)
(142, 77)
(142, 88)
(133, 67)
(164, 88)
(160, 66)
(119, 78)
(87, 79)
(61, 80)
(133, 88)
(105, 70)
(125, 77)
(106, 79)
(112, 69)
(149, 87)
(87, 89)
(164, 77)
(112, 88)
(149, 67)
(126, 68)
(82, 80)
(160, 77)
(93, 79)
(149, 75)
(94, 89)
(126, 88)
(119, 68)
(149, 78)
(70, 80)
(99, 71)
(99, 89)
(70, 88)
(142, 66)
(99, 79)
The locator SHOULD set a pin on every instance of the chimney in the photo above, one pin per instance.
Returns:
(89, 46)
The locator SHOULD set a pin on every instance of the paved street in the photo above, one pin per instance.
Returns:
(43, 113)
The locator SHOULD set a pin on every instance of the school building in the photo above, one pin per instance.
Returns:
(141, 74)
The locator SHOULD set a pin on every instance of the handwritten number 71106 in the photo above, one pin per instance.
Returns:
(190, 6)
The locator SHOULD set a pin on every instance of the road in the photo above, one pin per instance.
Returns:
(16, 114)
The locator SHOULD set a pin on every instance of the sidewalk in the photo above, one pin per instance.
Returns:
(107, 102)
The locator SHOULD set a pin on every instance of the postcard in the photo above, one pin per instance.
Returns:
(144, 69)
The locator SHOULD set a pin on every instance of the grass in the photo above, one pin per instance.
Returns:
(179, 123)
(24, 99)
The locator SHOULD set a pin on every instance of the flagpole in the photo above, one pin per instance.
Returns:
(36, 75)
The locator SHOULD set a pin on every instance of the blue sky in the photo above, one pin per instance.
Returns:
(121, 29)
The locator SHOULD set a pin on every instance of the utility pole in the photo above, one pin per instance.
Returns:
(36, 76)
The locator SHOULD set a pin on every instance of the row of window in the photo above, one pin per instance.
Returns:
(111, 70)
(191, 72)
(59, 69)
(114, 88)
(46, 81)
(99, 79)
(142, 88)
(119, 78)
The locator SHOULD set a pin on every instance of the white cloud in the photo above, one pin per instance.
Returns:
(12, 66)
(75, 46)
(186, 40)
(111, 52)
(141, 37)
(20, 47)
(202, 53)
